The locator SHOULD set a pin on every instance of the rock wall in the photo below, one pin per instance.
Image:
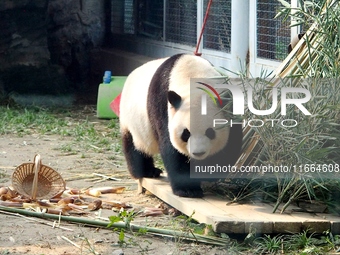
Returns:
(45, 44)
(74, 29)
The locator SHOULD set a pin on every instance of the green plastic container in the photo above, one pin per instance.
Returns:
(106, 93)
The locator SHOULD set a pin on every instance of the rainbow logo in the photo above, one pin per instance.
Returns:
(211, 92)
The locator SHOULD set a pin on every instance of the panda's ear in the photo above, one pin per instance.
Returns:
(174, 99)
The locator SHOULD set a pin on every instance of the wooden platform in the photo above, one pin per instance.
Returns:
(239, 218)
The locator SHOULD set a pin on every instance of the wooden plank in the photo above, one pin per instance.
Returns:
(335, 227)
(240, 218)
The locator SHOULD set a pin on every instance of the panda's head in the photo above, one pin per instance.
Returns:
(191, 133)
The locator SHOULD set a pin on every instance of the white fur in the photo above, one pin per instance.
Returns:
(198, 141)
(133, 110)
(193, 67)
(188, 67)
(134, 117)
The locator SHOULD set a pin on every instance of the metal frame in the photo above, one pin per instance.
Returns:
(243, 41)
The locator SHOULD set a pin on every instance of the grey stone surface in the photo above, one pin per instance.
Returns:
(45, 44)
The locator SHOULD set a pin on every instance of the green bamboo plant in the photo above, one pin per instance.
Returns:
(315, 141)
(315, 58)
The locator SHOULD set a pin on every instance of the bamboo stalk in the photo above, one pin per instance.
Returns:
(301, 57)
(121, 225)
(303, 61)
(53, 225)
(302, 52)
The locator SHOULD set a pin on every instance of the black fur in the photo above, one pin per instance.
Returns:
(174, 99)
(294, 41)
(185, 135)
(175, 163)
(139, 164)
(210, 133)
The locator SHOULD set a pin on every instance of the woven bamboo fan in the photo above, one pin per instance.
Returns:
(37, 181)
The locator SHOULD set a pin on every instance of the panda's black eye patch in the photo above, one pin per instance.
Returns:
(210, 133)
(185, 135)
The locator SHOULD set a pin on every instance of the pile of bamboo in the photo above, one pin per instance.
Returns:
(301, 62)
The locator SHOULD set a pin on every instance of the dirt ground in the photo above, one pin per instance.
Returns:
(27, 235)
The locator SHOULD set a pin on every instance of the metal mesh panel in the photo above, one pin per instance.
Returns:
(150, 20)
(129, 25)
(181, 19)
(117, 16)
(273, 35)
(217, 32)
(122, 17)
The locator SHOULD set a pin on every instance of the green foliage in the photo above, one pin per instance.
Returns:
(127, 218)
(317, 139)
(63, 122)
(301, 240)
(322, 17)
(311, 148)
(300, 243)
(269, 245)
(26, 121)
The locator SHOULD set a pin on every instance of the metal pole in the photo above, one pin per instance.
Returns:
(199, 23)
(239, 34)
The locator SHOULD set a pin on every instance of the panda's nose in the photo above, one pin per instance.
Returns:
(198, 154)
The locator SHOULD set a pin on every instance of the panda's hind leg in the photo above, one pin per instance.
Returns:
(139, 164)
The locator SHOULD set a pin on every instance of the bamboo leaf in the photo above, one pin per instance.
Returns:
(284, 3)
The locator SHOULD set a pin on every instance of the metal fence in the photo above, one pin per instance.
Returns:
(217, 34)
(273, 35)
(181, 21)
(150, 19)
(176, 21)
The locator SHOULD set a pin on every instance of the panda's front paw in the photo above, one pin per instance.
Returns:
(153, 173)
(188, 192)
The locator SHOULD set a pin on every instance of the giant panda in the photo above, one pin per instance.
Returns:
(294, 41)
(155, 118)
